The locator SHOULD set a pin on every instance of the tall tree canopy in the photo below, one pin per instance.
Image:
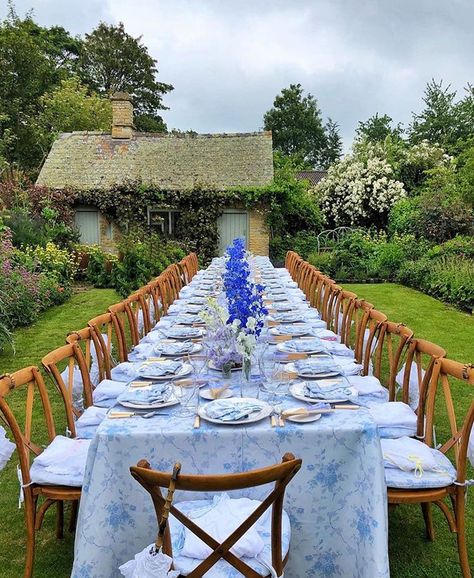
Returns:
(332, 152)
(297, 126)
(111, 60)
(377, 128)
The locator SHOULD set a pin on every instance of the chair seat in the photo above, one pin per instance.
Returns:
(399, 479)
(222, 569)
(394, 419)
(62, 463)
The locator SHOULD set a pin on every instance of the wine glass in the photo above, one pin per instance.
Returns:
(184, 391)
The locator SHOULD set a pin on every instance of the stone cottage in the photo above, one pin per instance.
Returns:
(169, 162)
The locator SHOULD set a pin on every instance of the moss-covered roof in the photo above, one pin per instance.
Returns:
(94, 160)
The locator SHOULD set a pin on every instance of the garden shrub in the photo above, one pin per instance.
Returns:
(323, 261)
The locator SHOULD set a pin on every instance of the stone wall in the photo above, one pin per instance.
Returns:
(259, 237)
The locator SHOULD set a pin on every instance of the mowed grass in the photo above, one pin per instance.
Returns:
(410, 554)
(53, 558)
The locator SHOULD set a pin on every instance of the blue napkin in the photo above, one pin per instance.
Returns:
(183, 332)
(188, 319)
(161, 368)
(292, 330)
(288, 317)
(305, 345)
(157, 393)
(226, 410)
(337, 391)
(316, 366)
(176, 348)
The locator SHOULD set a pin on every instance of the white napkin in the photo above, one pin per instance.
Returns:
(141, 352)
(339, 349)
(408, 454)
(470, 448)
(219, 521)
(413, 385)
(125, 371)
(107, 390)
(6, 448)
(92, 416)
(64, 456)
(146, 565)
(393, 414)
(366, 385)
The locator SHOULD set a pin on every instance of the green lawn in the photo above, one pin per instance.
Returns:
(410, 554)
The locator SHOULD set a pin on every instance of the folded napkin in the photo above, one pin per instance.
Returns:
(339, 349)
(317, 390)
(146, 565)
(64, 456)
(183, 332)
(366, 385)
(141, 352)
(161, 368)
(107, 390)
(393, 414)
(282, 306)
(226, 410)
(125, 371)
(219, 520)
(157, 393)
(287, 317)
(305, 345)
(188, 319)
(315, 366)
(6, 448)
(175, 348)
(92, 416)
(292, 329)
(409, 455)
(326, 335)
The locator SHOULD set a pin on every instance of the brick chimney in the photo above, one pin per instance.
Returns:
(122, 115)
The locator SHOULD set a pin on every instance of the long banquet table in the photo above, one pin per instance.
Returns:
(336, 503)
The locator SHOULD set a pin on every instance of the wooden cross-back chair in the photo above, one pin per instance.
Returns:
(279, 474)
(323, 291)
(290, 262)
(446, 377)
(92, 353)
(313, 284)
(24, 429)
(125, 326)
(386, 357)
(138, 304)
(69, 357)
(370, 333)
(105, 338)
(340, 317)
(185, 267)
(303, 278)
(355, 325)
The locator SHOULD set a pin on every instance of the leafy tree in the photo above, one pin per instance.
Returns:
(443, 121)
(111, 61)
(33, 60)
(70, 107)
(377, 128)
(297, 127)
(332, 152)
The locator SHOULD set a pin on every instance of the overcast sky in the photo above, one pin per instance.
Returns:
(227, 59)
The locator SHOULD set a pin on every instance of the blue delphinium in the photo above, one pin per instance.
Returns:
(244, 298)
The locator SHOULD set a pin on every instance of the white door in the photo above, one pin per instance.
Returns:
(87, 222)
(232, 225)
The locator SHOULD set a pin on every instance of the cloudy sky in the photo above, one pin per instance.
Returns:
(227, 59)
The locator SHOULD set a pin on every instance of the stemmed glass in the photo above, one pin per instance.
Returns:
(185, 391)
(274, 382)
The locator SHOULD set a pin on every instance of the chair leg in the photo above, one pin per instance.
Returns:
(461, 532)
(73, 518)
(30, 510)
(428, 517)
(60, 520)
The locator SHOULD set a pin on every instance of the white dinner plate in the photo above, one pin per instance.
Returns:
(266, 410)
(194, 335)
(302, 418)
(297, 390)
(186, 369)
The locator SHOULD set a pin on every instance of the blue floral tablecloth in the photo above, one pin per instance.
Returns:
(336, 503)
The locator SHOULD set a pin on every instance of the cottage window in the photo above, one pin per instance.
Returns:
(163, 220)
(86, 220)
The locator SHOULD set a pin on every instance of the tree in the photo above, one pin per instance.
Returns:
(332, 151)
(33, 60)
(439, 122)
(112, 61)
(297, 127)
(377, 128)
(70, 107)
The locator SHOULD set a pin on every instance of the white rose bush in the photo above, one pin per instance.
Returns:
(358, 191)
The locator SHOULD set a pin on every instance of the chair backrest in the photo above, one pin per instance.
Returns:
(91, 351)
(101, 326)
(419, 365)
(138, 304)
(386, 357)
(280, 475)
(125, 327)
(67, 368)
(25, 427)
(370, 333)
(356, 325)
(450, 377)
